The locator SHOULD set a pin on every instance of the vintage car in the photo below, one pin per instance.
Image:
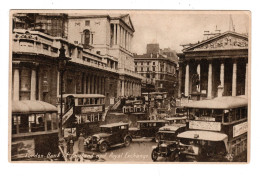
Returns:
(203, 146)
(111, 135)
(166, 142)
(146, 128)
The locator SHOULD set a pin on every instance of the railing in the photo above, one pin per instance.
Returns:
(36, 44)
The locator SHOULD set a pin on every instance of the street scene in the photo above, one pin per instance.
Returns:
(129, 86)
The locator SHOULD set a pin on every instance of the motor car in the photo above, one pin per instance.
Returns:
(203, 146)
(147, 128)
(167, 145)
(111, 135)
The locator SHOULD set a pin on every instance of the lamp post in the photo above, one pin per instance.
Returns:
(62, 63)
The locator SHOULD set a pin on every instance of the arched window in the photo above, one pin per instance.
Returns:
(86, 37)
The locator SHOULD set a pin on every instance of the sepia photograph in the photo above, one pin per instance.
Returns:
(129, 86)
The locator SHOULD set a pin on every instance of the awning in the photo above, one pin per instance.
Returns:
(32, 106)
(227, 102)
(203, 135)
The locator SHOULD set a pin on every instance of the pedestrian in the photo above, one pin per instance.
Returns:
(81, 140)
(70, 143)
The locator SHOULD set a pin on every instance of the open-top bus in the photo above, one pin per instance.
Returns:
(217, 130)
(82, 112)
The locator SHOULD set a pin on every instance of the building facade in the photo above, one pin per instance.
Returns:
(111, 37)
(35, 74)
(159, 68)
(217, 66)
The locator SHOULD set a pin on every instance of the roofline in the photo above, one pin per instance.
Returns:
(213, 38)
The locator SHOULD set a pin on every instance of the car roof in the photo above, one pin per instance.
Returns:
(174, 127)
(203, 135)
(150, 121)
(225, 102)
(176, 118)
(113, 125)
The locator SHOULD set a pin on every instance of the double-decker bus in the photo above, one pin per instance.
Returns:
(217, 130)
(82, 113)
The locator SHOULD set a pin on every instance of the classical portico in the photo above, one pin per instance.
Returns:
(215, 67)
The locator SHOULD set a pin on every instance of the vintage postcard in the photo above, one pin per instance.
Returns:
(129, 86)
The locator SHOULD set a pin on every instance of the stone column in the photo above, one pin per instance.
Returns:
(40, 85)
(246, 80)
(84, 83)
(121, 36)
(222, 74)
(33, 84)
(187, 80)
(89, 84)
(118, 34)
(234, 79)
(100, 85)
(127, 40)
(96, 84)
(222, 81)
(198, 72)
(114, 34)
(58, 83)
(180, 79)
(123, 88)
(104, 86)
(93, 85)
(16, 82)
(210, 80)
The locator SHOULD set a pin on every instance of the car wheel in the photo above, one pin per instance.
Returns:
(103, 147)
(154, 155)
(127, 141)
(173, 156)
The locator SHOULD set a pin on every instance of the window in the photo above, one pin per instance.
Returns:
(153, 68)
(87, 23)
(135, 69)
(142, 69)
(80, 101)
(148, 63)
(153, 63)
(78, 54)
(86, 37)
(148, 69)
(135, 63)
(141, 63)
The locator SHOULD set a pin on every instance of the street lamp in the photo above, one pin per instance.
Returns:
(62, 63)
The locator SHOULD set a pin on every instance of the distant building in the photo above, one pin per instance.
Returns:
(159, 68)
(152, 48)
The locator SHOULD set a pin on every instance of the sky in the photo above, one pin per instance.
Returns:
(173, 28)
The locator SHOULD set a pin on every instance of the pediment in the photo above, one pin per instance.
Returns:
(228, 40)
(128, 21)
